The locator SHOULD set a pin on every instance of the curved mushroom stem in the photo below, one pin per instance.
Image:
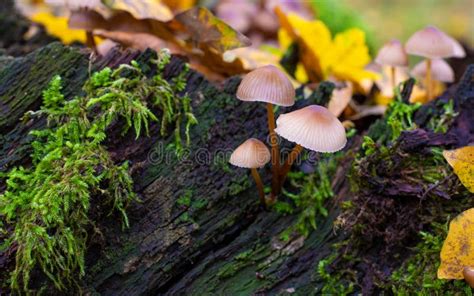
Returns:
(258, 182)
(468, 273)
(428, 79)
(289, 162)
(275, 150)
(90, 42)
(394, 83)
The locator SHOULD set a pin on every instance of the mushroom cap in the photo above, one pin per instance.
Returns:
(313, 127)
(440, 70)
(250, 154)
(267, 84)
(340, 98)
(431, 43)
(459, 51)
(86, 20)
(392, 54)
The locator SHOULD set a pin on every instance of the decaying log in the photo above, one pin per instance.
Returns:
(173, 249)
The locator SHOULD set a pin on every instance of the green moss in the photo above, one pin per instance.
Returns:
(419, 272)
(333, 282)
(312, 192)
(48, 204)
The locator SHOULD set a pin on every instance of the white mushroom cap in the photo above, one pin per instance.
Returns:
(267, 84)
(440, 70)
(313, 127)
(392, 54)
(430, 43)
(250, 154)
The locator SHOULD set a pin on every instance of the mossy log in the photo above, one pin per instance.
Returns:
(221, 242)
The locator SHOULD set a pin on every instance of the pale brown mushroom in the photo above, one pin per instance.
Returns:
(440, 70)
(392, 54)
(468, 273)
(313, 127)
(270, 85)
(431, 43)
(252, 154)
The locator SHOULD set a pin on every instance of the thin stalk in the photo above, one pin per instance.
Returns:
(258, 182)
(275, 150)
(289, 162)
(90, 42)
(393, 70)
(428, 79)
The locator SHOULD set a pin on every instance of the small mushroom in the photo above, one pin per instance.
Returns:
(313, 127)
(392, 54)
(252, 154)
(87, 20)
(270, 85)
(440, 70)
(468, 273)
(431, 43)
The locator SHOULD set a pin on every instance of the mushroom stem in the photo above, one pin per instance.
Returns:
(394, 83)
(428, 79)
(90, 42)
(289, 162)
(275, 150)
(258, 182)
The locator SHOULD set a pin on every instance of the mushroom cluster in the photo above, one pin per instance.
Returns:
(429, 43)
(313, 127)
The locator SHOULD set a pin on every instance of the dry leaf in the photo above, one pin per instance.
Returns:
(340, 98)
(462, 162)
(140, 10)
(458, 248)
(205, 29)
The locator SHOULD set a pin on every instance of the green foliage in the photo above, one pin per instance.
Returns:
(48, 203)
(313, 190)
(400, 116)
(440, 124)
(419, 273)
(332, 280)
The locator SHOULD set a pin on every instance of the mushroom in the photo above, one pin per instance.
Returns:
(88, 20)
(468, 273)
(431, 43)
(252, 154)
(392, 54)
(313, 127)
(270, 85)
(440, 70)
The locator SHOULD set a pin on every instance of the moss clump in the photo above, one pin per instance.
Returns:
(48, 204)
(313, 190)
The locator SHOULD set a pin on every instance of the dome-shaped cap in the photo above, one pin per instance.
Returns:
(459, 51)
(267, 84)
(468, 273)
(313, 127)
(430, 43)
(392, 54)
(440, 70)
(250, 154)
(86, 20)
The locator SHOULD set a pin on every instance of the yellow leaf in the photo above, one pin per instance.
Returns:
(58, 26)
(178, 5)
(462, 162)
(458, 248)
(343, 58)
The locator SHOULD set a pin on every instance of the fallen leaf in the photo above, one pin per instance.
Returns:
(343, 57)
(58, 26)
(140, 10)
(203, 28)
(340, 98)
(458, 248)
(462, 162)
